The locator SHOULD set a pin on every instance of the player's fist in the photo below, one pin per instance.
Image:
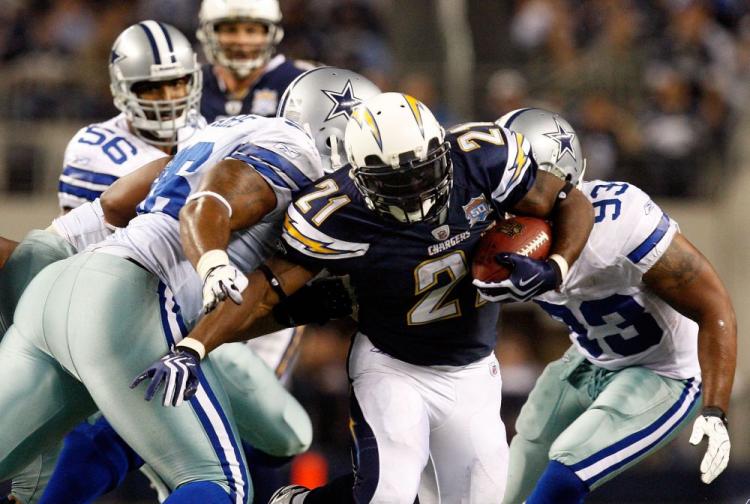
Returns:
(221, 279)
(528, 278)
(713, 426)
(223, 282)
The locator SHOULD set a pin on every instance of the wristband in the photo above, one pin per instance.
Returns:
(715, 411)
(562, 264)
(194, 345)
(211, 260)
(221, 199)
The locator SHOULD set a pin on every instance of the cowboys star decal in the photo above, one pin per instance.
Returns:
(343, 101)
(564, 139)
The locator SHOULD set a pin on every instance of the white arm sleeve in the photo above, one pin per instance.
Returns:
(83, 225)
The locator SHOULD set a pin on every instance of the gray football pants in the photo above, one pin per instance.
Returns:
(84, 327)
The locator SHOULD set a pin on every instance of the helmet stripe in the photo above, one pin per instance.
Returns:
(152, 41)
(414, 106)
(512, 118)
(169, 42)
(364, 117)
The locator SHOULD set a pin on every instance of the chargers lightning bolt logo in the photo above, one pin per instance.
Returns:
(343, 101)
(564, 139)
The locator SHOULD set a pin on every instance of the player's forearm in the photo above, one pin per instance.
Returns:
(232, 322)
(204, 226)
(717, 354)
(120, 200)
(572, 219)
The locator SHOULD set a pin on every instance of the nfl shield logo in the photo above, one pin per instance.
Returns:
(265, 102)
(476, 210)
(441, 233)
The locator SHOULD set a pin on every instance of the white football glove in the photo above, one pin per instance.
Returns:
(221, 280)
(717, 454)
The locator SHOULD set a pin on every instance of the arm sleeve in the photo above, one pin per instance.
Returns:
(83, 226)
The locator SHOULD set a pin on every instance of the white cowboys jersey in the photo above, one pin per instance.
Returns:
(101, 153)
(279, 150)
(614, 320)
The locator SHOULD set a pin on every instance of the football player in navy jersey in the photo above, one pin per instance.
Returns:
(403, 221)
(239, 38)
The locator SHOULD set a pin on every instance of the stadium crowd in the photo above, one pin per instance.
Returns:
(676, 67)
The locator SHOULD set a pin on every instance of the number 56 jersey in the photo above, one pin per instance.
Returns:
(614, 320)
(412, 282)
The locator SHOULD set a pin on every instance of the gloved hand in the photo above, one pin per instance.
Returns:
(320, 301)
(179, 372)
(712, 423)
(528, 278)
(221, 282)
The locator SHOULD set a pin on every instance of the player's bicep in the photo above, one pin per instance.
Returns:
(685, 279)
(120, 200)
(247, 193)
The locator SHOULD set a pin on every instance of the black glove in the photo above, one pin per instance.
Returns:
(318, 302)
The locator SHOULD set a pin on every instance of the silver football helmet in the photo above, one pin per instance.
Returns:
(400, 158)
(214, 12)
(154, 52)
(321, 100)
(554, 143)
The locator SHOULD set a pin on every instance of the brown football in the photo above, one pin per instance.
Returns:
(528, 236)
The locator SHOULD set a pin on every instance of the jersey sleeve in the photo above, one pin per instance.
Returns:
(79, 182)
(288, 162)
(317, 230)
(83, 226)
(651, 231)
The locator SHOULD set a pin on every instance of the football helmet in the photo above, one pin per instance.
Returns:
(321, 100)
(400, 159)
(554, 143)
(214, 12)
(151, 51)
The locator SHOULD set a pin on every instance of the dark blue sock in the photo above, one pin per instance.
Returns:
(199, 492)
(558, 485)
(266, 470)
(93, 461)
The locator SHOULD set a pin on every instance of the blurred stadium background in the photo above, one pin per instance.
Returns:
(659, 91)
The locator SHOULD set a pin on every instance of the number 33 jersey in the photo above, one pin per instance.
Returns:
(615, 321)
(412, 282)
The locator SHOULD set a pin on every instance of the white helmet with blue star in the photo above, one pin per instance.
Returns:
(554, 143)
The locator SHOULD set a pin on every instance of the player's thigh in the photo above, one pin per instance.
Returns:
(468, 440)
(390, 425)
(268, 416)
(636, 413)
(554, 402)
(120, 321)
(37, 250)
(39, 402)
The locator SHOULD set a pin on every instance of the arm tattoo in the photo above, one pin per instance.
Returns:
(677, 268)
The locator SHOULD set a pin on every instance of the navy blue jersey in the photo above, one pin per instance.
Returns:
(263, 97)
(413, 282)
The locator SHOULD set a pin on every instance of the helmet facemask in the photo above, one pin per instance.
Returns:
(217, 54)
(157, 121)
(414, 191)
